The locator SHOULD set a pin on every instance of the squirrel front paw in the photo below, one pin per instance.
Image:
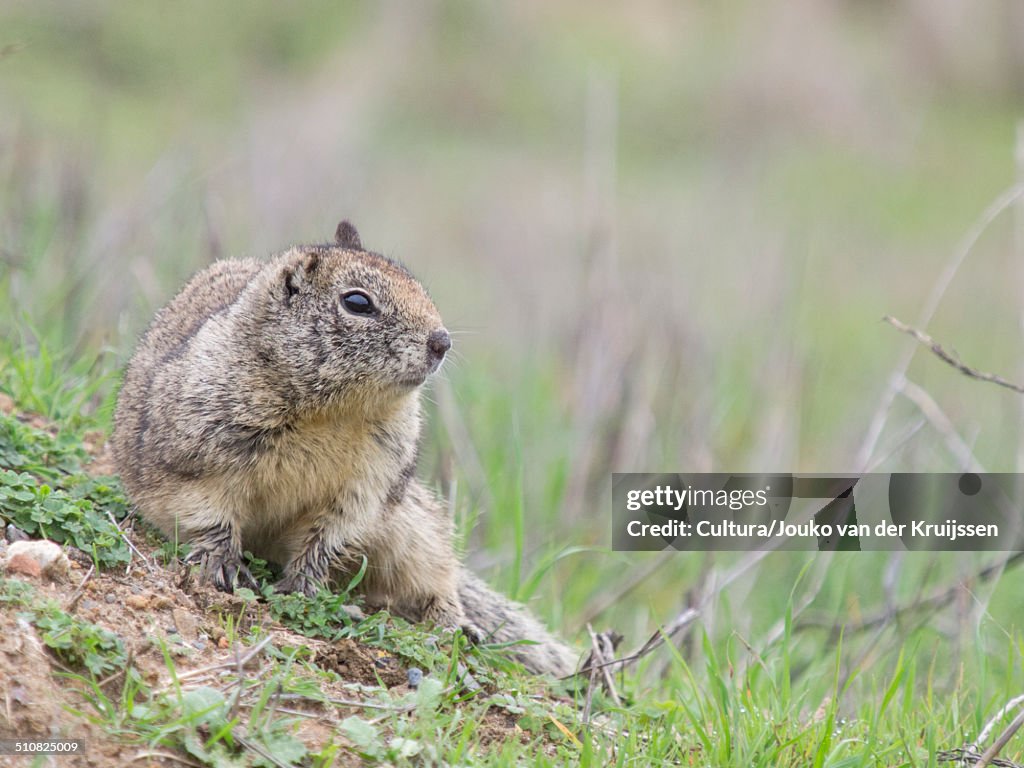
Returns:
(298, 582)
(221, 568)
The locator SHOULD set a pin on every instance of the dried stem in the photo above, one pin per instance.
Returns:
(990, 753)
(950, 357)
(1000, 204)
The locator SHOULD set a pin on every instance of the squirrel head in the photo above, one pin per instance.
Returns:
(348, 321)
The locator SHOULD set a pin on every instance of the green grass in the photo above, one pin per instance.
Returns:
(733, 694)
(707, 714)
(76, 393)
(759, 235)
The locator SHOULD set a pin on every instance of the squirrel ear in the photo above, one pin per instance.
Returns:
(347, 237)
(298, 274)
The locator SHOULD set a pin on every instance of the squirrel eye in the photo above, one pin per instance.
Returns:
(358, 303)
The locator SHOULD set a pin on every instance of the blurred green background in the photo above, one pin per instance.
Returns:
(663, 233)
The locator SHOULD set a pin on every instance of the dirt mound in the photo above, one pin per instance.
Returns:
(175, 637)
(145, 607)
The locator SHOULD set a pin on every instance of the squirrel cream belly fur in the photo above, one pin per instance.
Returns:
(275, 407)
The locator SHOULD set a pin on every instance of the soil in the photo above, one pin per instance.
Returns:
(148, 603)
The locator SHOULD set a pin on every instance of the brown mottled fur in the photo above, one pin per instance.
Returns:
(259, 413)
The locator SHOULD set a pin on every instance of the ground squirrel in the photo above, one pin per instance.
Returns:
(275, 407)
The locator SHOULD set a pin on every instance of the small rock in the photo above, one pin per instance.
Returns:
(199, 644)
(162, 602)
(467, 678)
(88, 605)
(223, 643)
(415, 677)
(12, 533)
(24, 565)
(185, 623)
(110, 597)
(353, 612)
(20, 695)
(138, 602)
(48, 558)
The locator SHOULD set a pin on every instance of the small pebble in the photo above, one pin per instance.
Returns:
(24, 565)
(110, 598)
(415, 677)
(138, 602)
(37, 558)
(467, 678)
(88, 605)
(354, 612)
(13, 533)
(185, 623)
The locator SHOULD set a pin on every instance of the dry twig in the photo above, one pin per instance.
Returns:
(73, 602)
(601, 655)
(989, 754)
(950, 357)
(970, 755)
(603, 651)
(1000, 204)
(940, 597)
(680, 622)
(165, 754)
(1016, 701)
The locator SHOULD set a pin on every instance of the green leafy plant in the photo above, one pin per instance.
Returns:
(25, 448)
(81, 644)
(75, 518)
(321, 616)
(76, 642)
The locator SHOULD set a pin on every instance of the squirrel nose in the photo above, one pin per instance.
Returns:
(438, 343)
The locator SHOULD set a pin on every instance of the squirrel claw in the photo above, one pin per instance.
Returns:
(473, 633)
(242, 577)
(296, 581)
(223, 571)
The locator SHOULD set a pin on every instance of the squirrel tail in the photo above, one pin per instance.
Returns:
(504, 621)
